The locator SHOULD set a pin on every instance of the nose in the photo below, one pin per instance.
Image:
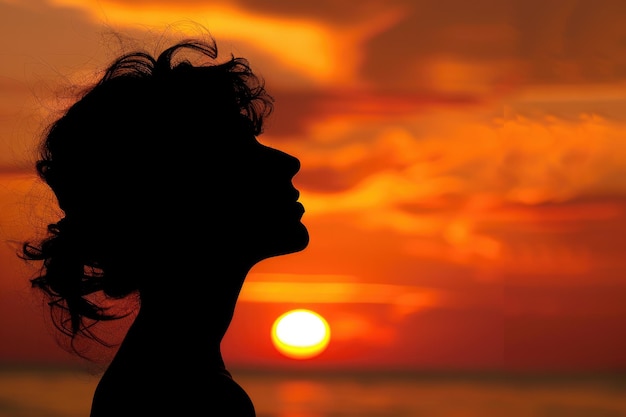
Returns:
(290, 162)
(295, 164)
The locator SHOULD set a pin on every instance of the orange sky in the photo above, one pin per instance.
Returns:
(463, 170)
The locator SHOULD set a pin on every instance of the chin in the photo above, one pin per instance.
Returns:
(296, 241)
(303, 240)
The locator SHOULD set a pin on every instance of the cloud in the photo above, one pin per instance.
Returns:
(345, 110)
(416, 45)
(403, 299)
(514, 158)
(475, 189)
(524, 43)
(323, 52)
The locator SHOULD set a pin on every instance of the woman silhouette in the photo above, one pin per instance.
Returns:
(165, 194)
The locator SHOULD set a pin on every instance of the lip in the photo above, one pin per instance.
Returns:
(300, 207)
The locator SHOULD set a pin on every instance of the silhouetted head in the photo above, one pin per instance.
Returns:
(160, 161)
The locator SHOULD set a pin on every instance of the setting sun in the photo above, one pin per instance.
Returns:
(300, 334)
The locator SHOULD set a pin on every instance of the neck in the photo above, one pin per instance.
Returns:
(187, 318)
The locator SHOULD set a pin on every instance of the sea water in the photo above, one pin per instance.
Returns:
(65, 392)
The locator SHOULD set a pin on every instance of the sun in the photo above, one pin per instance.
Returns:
(300, 334)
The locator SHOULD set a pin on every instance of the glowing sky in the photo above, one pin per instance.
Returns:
(463, 170)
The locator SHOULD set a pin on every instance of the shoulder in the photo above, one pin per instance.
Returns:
(123, 394)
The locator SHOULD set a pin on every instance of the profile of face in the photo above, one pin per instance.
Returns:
(234, 196)
(254, 202)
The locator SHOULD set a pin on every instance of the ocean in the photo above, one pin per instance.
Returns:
(66, 392)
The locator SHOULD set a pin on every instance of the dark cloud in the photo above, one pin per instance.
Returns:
(296, 110)
(553, 41)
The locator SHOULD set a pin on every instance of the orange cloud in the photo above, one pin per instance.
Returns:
(510, 158)
(404, 299)
(324, 53)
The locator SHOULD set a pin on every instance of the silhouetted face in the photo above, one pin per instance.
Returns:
(257, 209)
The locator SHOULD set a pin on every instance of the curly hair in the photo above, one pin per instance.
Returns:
(104, 147)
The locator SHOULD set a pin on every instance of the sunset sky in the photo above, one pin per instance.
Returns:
(463, 171)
